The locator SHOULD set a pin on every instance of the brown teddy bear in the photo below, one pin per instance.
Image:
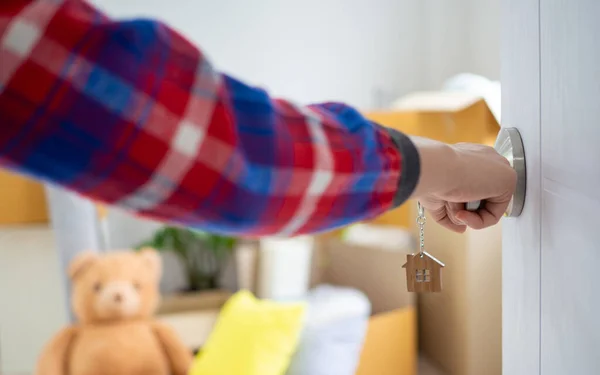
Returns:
(114, 297)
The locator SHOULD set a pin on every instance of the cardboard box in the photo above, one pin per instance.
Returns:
(22, 200)
(461, 328)
(449, 117)
(390, 346)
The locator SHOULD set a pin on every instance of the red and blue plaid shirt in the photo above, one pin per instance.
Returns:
(132, 114)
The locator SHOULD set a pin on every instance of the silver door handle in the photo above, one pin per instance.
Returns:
(510, 145)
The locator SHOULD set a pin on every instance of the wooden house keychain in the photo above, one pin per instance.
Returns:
(423, 271)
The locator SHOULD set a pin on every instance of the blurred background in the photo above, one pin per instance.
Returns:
(427, 67)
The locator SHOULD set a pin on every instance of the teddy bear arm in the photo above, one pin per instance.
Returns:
(54, 357)
(180, 357)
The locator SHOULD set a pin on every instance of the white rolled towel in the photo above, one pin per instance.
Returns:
(333, 334)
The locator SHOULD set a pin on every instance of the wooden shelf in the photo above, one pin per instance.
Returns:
(194, 301)
(193, 315)
(193, 327)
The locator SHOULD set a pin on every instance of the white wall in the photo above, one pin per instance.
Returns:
(484, 38)
(32, 298)
(460, 36)
(363, 52)
(309, 50)
(446, 48)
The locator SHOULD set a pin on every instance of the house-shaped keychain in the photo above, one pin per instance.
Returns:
(423, 273)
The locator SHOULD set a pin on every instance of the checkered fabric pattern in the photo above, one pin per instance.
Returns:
(132, 114)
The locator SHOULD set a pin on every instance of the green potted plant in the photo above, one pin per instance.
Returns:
(202, 254)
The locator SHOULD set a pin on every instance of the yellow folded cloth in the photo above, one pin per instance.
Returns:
(251, 337)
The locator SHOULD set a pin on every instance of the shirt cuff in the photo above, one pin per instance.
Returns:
(410, 168)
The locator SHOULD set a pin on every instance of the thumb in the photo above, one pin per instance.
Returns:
(488, 215)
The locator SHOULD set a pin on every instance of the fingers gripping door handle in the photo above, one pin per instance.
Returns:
(510, 145)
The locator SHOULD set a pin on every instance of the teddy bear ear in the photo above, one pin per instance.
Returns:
(152, 259)
(80, 262)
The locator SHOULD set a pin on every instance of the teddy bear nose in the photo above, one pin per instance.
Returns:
(118, 297)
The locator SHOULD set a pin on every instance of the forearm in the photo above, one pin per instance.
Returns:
(132, 114)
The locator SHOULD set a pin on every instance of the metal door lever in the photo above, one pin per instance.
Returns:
(510, 145)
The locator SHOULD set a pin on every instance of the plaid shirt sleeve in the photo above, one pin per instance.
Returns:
(132, 114)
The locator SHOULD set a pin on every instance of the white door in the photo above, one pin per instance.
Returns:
(551, 254)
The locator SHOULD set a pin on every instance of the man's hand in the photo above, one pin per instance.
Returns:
(454, 175)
